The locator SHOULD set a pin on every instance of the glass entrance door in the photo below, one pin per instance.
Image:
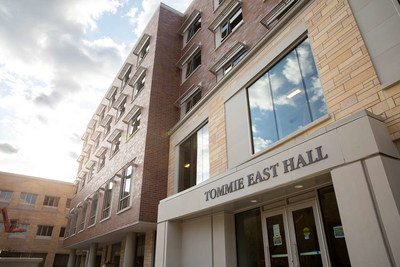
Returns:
(293, 237)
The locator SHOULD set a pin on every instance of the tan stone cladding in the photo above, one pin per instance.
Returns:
(347, 74)
(34, 215)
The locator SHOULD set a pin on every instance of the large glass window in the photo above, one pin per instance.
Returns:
(194, 166)
(249, 240)
(107, 201)
(125, 194)
(51, 201)
(286, 98)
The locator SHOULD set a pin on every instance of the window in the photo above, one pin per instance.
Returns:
(125, 78)
(96, 142)
(107, 127)
(194, 159)
(192, 101)
(144, 50)
(83, 181)
(134, 124)
(231, 23)
(107, 200)
(121, 108)
(115, 144)
(139, 85)
(193, 29)
(228, 67)
(74, 223)
(26, 198)
(51, 201)
(62, 232)
(93, 211)
(102, 114)
(125, 194)
(112, 98)
(68, 203)
(91, 173)
(193, 64)
(286, 98)
(83, 218)
(44, 230)
(5, 195)
(102, 160)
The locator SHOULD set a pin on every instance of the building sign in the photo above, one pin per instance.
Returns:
(272, 171)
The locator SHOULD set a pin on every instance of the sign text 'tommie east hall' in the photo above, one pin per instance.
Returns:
(291, 164)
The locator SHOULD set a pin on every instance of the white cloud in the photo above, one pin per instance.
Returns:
(260, 143)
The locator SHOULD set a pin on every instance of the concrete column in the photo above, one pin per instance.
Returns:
(224, 241)
(92, 255)
(130, 249)
(71, 258)
(168, 244)
(364, 238)
(383, 174)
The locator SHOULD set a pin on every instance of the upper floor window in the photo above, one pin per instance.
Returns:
(107, 127)
(97, 142)
(115, 144)
(5, 195)
(68, 227)
(287, 97)
(194, 166)
(134, 124)
(194, 28)
(193, 63)
(44, 230)
(231, 23)
(126, 77)
(51, 201)
(76, 188)
(112, 98)
(192, 101)
(20, 234)
(91, 172)
(102, 160)
(83, 217)
(26, 198)
(93, 211)
(144, 50)
(121, 108)
(125, 193)
(74, 223)
(83, 181)
(139, 85)
(107, 198)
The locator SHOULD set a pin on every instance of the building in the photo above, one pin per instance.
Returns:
(291, 155)
(40, 205)
(269, 130)
(124, 162)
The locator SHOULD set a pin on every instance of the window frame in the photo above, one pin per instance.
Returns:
(126, 76)
(124, 201)
(93, 211)
(6, 193)
(121, 109)
(137, 127)
(182, 165)
(44, 231)
(82, 220)
(51, 200)
(190, 67)
(108, 192)
(193, 29)
(115, 144)
(228, 22)
(144, 51)
(24, 202)
(102, 161)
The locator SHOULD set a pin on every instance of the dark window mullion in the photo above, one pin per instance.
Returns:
(273, 106)
(304, 85)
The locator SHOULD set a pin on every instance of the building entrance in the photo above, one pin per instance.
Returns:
(305, 233)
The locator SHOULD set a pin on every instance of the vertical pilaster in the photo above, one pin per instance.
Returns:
(224, 241)
(71, 258)
(130, 249)
(92, 255)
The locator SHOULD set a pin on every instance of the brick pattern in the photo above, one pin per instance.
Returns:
(35, 215)
(348, 77)
(149, 249)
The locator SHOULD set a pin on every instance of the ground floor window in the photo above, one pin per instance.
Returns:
(139, 255)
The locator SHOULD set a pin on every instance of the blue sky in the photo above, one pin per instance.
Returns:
(58, 59)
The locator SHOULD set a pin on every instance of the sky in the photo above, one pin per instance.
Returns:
(57, 60)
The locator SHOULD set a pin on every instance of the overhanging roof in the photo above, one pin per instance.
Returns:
(140, 43)
(188, 55)
(138, 73)
(189, 21)
(232, 52)
(224, 14)
(135, 109)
